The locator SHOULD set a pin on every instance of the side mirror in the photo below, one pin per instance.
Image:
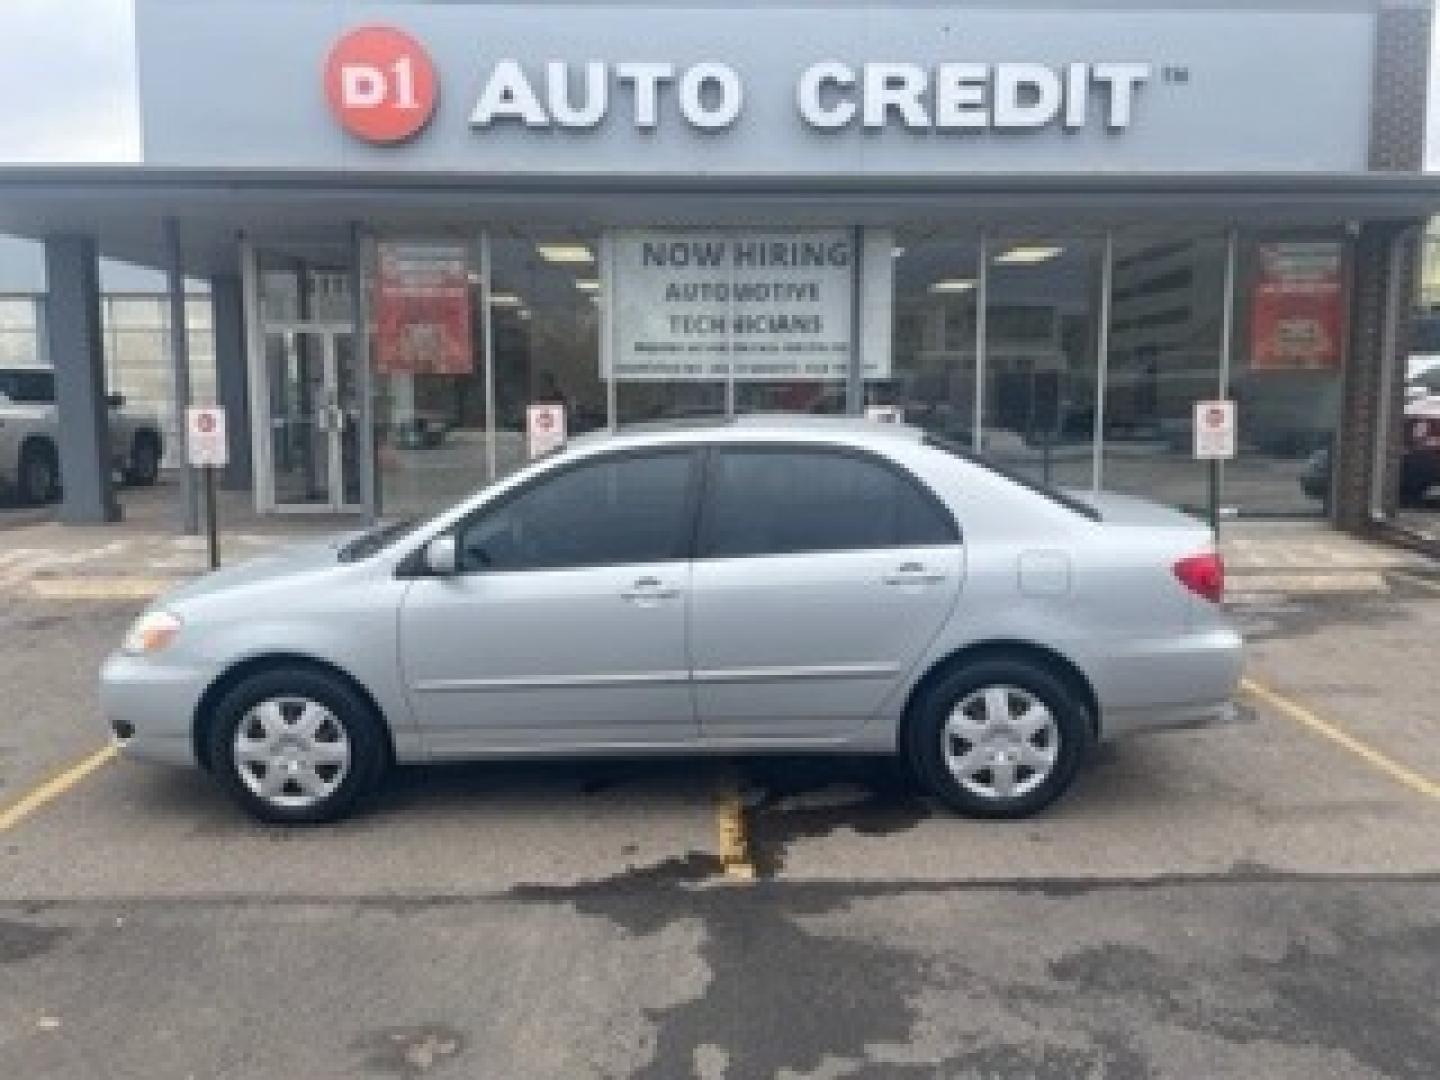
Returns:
(441, 558)
(115, 401)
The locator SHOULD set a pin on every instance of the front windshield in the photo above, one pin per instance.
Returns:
(376, 539)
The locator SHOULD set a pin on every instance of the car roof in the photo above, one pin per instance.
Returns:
(751, 427)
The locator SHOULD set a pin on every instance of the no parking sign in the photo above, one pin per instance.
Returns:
(205, 438)
(1214, 429)
(545, 426)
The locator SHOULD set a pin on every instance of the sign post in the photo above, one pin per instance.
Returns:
(1214, 443)
(208, 450)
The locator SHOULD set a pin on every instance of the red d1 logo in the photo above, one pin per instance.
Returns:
(380, 84)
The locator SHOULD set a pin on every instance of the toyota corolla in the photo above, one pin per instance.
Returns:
(754, 586)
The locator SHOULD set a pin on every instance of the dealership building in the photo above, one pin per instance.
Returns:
(1043, 229)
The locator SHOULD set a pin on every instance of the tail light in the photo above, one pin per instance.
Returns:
(1204, 575)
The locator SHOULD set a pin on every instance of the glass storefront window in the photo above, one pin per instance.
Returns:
(1042, 322)
(1166, 327)
(545, 302)
(1286, 373)
(933, 346)
(19, 334)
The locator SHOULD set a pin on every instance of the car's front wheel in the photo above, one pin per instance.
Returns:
(999, 738)
(297, 745)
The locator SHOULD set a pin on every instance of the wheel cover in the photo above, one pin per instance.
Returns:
(291, 752)
(1001, 742)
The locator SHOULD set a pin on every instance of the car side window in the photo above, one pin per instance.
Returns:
(782, 501)
(632, 509)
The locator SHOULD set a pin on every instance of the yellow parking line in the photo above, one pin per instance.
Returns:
(1392, 768)
(733, 842)
(33, 800)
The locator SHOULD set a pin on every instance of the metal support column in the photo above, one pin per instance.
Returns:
(982, 299)
(74, 344)
(360, 250)
(180, 375)
(854, 374)
(232, 390)
(1102, 360)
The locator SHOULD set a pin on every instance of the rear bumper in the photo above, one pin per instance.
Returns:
(1186, 681)
(150, 708)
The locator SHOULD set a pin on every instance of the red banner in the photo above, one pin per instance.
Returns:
(1297, 312)
(422, 310)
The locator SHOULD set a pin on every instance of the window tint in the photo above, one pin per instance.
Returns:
(28, 387)
(621, 510)
(762, 502)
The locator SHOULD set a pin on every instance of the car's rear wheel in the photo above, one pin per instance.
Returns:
(143, 468)
(297, 745)
(39, 473)
(999, 738)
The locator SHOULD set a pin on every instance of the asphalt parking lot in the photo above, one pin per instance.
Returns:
(1260, 898)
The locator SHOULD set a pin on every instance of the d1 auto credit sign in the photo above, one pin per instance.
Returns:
(1214, 429)
(205, 445)
(380, 84)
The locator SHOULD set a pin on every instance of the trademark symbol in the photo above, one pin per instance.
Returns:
(1175, 74)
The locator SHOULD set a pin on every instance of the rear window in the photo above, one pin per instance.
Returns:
(1054, 495)
(28, 387)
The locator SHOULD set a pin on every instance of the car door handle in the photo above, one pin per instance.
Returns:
(648, 589)
(912, 573)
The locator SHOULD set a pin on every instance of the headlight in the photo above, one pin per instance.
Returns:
(150, 633)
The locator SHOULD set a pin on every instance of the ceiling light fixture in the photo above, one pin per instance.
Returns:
(565, 253)
(953, 285)
(587, 284)
(1029, 256)
(505, 299)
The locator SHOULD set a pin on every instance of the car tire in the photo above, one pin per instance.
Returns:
(1001, 737)
(297, 745)
(38, 477)
(143, 468)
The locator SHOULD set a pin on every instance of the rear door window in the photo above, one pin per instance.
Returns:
(778, 501)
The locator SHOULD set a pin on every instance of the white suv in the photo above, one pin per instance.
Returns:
(29, 452)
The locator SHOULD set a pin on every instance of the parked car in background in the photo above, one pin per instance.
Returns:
(759, 585)
(1420, 433)
(29, 445)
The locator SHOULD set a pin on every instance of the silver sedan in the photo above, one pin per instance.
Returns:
(743, 587)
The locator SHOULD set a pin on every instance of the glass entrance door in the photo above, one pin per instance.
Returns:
(314, 418)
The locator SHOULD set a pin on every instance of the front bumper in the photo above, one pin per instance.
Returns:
(150, 706)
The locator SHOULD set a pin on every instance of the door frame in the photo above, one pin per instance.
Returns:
(262, 450)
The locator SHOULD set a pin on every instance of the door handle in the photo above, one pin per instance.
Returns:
(912, 573)
(648, 589)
